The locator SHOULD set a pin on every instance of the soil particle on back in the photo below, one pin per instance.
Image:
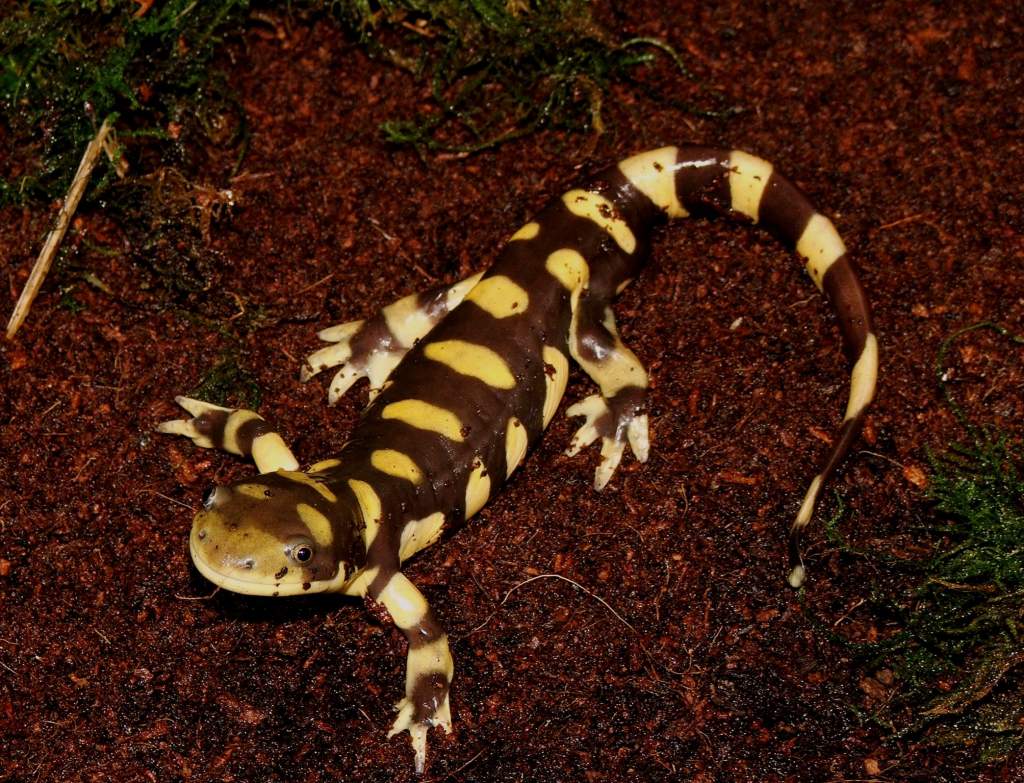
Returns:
(901, 121)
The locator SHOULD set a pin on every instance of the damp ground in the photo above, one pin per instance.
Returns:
(903, 124)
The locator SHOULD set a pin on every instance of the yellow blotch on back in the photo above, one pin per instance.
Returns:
(254, 491)
(569, 268)
(516, 442)
(369, 505)
(528, 231)
(419, 534)
(556, 374)
(476, 361)
(396, 464)
(302, 478)
(821, 245)
(324, 465)
(424, 416)
(319, 526)
(478, 488)
(748, 177)
(597, 208)
(499, 296)
(369, 502)
(654, 174)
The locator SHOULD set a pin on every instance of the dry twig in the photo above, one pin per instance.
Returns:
(54, 238)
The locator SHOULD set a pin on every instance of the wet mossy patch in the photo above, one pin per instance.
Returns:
(497, 70)
(228, 382)
(66, 66)
(953, 673)
(960, 650)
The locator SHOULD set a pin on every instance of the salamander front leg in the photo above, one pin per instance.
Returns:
(429, 667)
(616, 415)
(238, 431)
(373, 348)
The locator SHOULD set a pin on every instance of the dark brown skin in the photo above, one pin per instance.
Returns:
(884, 113)
(457, 414)
(701, 184)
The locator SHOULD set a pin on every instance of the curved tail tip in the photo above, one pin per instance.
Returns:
(797, 576)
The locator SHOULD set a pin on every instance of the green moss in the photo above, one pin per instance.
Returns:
(959, 653)
(498, 69)
(68, 302)
(65, 66)
(229, 383)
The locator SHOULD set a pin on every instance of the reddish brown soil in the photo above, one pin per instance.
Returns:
(902, 121)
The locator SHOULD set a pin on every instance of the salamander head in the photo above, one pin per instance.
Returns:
(282, 533)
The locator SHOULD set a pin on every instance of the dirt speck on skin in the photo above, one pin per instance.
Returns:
(901, 121)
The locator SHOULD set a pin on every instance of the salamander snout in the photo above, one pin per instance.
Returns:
(276, 534)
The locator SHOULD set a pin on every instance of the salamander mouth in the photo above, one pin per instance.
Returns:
(238, 584)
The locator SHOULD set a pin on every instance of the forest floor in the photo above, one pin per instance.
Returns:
(902, 121)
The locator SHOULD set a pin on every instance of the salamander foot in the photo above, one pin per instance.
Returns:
(617, 424)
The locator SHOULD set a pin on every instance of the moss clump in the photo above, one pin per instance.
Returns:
(959, 654)
(498, 69)
(65, 66)
(961, 644)
(229, 382)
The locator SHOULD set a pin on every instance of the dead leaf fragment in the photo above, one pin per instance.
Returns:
(915, 476)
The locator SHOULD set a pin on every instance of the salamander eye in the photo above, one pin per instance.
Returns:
(300, 550)
(208, 497)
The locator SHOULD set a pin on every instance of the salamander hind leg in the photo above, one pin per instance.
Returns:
(373, 348)
(616, 415)
(429, 665)
(237, 431)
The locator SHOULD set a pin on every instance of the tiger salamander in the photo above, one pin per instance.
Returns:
(463, 381)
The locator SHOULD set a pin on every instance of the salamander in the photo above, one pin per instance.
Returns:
(463, 381)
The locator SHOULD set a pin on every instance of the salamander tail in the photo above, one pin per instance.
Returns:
(680, 179)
